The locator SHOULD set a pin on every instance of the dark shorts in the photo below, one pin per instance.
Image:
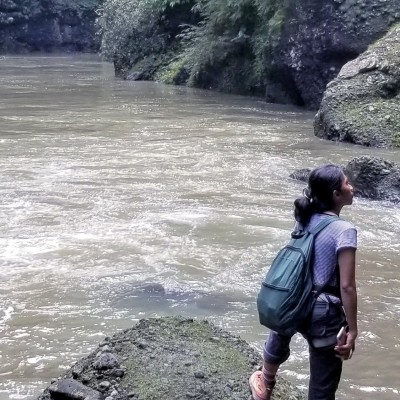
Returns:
(325, 367)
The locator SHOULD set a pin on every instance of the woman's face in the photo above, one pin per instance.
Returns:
(346, 192)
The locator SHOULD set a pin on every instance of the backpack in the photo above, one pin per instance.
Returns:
(288, 294)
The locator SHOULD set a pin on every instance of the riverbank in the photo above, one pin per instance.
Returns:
(164, 359)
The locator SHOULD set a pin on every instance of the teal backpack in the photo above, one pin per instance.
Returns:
(287, 294)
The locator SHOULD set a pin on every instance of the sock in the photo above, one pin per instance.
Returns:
(269, 373)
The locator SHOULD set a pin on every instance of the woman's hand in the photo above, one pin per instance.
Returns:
(345, 351)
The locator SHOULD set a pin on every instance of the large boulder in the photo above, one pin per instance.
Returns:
(74, 390)
(362, 104)
(319, 37)
(374, 178)
(164, 359)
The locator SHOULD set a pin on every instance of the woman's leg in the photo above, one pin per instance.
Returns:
(269, 377)
(276, 351)
(276, 348)
(325, 372)
(325, 367)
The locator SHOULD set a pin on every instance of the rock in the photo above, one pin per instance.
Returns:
(85, 378)
(142, 344)
(117, 372)
(374, 178)
(301, 174)
(221, 368)
(199, 375)
(77, 370)
(106, 361)
(70, 389)
(105, 348)
(363, 103)
(135, 76)
(103, 386)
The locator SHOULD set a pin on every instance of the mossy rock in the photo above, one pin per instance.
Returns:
(362, 104)
(171, 358)
(176, 72)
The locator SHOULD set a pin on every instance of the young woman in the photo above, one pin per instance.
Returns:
(327, 193)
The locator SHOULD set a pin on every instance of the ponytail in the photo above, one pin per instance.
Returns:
(318, 196)
(304, 207)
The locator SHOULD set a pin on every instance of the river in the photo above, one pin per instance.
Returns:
(108, 186)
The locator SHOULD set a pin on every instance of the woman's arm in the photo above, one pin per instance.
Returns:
(347, 266)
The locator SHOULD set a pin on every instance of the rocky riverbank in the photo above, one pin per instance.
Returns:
(165, 359)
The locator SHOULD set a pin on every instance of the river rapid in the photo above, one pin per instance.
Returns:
(127, 200)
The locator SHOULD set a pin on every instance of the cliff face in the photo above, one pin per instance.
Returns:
(47, 25)
(319, 37)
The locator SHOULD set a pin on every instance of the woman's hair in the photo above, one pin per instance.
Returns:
(318, 196)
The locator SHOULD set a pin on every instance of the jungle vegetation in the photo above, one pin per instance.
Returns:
(221, 44)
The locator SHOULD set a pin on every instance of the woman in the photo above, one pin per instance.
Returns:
(327, 193)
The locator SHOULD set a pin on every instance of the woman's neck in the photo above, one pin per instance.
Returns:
(332, 212)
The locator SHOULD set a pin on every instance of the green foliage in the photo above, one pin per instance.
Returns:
(230, 40)
(175, 72)
(236, 29)
(134, 29)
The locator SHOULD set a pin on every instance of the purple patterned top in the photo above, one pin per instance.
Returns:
(336, 236)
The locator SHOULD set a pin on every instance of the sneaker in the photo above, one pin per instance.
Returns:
(257, 386)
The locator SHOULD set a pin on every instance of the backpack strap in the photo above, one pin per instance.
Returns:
(323, 224)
